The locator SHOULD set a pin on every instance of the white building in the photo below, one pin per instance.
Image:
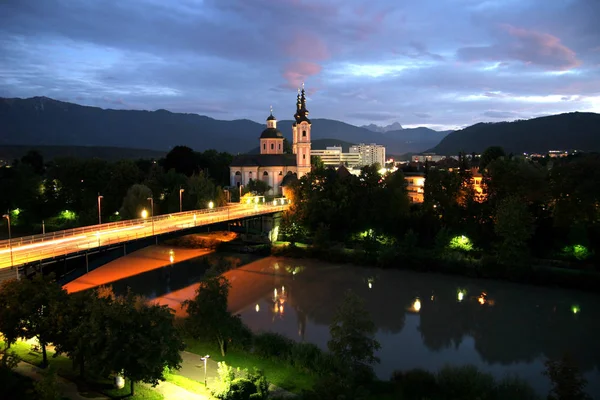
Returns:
(272, 165)
(334, 156)
(369, 153)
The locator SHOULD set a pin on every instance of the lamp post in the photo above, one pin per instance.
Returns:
(151, 200)
(241, 186)
(99, 209)
(43, 227)
(7, 216)
(205, 359)
(180, 203)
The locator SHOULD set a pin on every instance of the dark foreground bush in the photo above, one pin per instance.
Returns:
(273, 346)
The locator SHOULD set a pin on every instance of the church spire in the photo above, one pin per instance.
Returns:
(301, 111)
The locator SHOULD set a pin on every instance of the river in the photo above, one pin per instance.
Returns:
(423, 320)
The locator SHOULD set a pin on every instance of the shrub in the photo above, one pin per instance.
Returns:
(513, 388)
(465, 383)
(241, 389)
(273, 346)
(415, 384)
(306, 356)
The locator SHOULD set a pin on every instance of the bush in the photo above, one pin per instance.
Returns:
(273, 346)
(513, 388)
(465, 383)
(415, 384)
(306, 356)
(241, 389)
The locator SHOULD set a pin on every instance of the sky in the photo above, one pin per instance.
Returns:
(443, 64)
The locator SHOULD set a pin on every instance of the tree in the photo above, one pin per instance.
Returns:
(490, 154)
(258, 187)
(35, 160)
(352, 335)
(81, 324)
(140, 340)
(42, 301)
(566, 378)
(201, 191)
(182, 159)
(11, 313)
(514, 224)
(208, 317)
(135, 201)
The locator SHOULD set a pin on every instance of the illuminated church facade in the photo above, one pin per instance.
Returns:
(272, 165)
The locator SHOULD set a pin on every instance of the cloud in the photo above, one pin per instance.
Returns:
(422, 115)
(500, 114)
(296, 73)
(527, 46)
(384, 61)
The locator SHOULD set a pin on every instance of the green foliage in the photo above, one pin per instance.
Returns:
(577, 252)
(567, 380)
(352, 335)
(415, 384)
(465, 383)
(309, 357)
(236, 384)
(513, 388)
(490, 154)
(272, 346)
(135, 201)
(460, 243)
(258, 187)
(208, 317)
(514, 225)
(47, 388)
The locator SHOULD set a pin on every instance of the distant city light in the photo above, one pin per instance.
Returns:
(461, 295)
(417, 305)
(575, 309)
(257, 308)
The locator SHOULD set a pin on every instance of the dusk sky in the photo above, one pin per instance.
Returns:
(437, 63)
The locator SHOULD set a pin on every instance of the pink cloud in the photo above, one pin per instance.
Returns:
(307, 45)
(528, 46)
(296, 73)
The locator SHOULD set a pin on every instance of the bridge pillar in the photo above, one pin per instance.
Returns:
(87, 264)
(270, 225)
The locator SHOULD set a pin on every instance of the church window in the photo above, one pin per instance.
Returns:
(264, 146)
(304, 156)
(279, 147)
(265, 173)
(280, 173)
(303, 133)
(272, 146)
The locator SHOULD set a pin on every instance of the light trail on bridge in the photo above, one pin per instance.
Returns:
(30, 249)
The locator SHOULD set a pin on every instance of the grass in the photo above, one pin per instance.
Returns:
(278, 373)
(188, 384)
(64, 368)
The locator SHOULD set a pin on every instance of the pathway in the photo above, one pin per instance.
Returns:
(67, 388)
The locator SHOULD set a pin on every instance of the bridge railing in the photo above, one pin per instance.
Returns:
(143, 229)
(67, 233)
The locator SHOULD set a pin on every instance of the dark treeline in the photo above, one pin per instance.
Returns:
(64, 192)
(545, 209)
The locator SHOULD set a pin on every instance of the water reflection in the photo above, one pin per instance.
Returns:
(499, 326)
(423, 320)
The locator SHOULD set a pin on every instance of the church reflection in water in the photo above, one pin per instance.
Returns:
(441, 319)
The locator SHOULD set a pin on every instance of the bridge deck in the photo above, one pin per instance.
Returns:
(24, 250)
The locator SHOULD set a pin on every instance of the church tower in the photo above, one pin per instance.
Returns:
(271, 139)
(301, 135)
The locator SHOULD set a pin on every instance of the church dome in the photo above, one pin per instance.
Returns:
(271, 133)
(271, 118)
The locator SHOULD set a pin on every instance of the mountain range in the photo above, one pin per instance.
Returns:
(43, 121)
(569, 131)
(382, 129)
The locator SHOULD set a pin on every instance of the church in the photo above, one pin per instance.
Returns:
(272, 165)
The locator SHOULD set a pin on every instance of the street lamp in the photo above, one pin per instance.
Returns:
(211, 205)
(205, 359)
(7, 216)
(241, 186)
(180, 203)
(151, 200)
(99, 209)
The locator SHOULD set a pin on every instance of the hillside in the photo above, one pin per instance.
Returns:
(43, 121)
(11, 152)
(570, 131)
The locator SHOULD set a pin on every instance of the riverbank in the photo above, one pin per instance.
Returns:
(423, 260)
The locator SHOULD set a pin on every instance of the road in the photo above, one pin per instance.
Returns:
(28, 249)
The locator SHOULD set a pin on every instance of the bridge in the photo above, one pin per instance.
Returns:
(30, 249)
